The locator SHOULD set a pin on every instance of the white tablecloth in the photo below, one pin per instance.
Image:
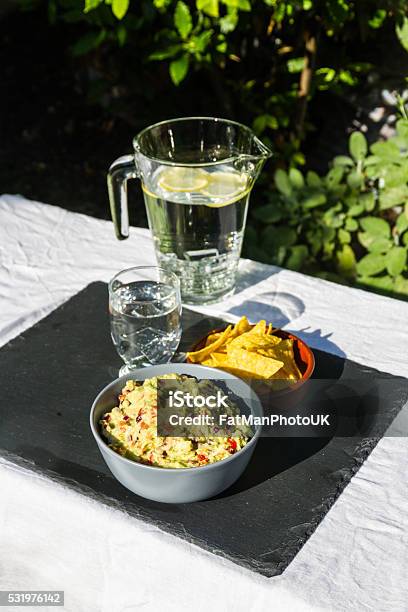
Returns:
(54, 538)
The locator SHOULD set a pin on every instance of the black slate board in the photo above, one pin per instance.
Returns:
(56, 368)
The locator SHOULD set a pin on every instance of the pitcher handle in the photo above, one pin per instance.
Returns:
(119, 173)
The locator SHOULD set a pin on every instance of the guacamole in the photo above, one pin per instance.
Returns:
(130, 429)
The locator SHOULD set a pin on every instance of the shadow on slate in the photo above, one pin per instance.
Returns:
(55, 370)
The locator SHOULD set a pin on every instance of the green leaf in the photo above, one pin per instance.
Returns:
(377, 19)
(91, 4)
(328, 250)
(378, 282)
(314, 239)
(182, 19)
(276, 237)
(376, 227)
(329, 233)
(374, 244)
(161, 4)
(371, 160)
(345, 76)
(201, 42)
(313, 200)
(368, 200)
(402, 33)
(171, 51)
(333, 218)
(351, 225)
(298, 255)
(344, 236)
(313, 179)
(346, 261)
(269, 213)
(380, 245)
(222, 46)
(325, 76)
(402, 223)
(296, 178)
(179, 68)
(393, 197)
(386, 150)
(371, 264)
(229, 22)
(358, 146)
(121, 34)
(120, 8)
(401, 285)
(355, 210)
(334, 176)
(282, 182)
(343, 160)
(265, 121)
(393, 175)
(355, 179)
(242, 5)
(396, 260)
(87, 43)
(295, 64)
(402, 128)
(210, 7)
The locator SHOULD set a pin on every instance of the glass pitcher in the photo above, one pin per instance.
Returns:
(197, 174)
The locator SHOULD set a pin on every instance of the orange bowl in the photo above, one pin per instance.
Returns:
(304, 357)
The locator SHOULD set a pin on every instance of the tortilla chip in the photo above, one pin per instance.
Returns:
(241, 327)
(210, 362)
(249, 351)
(259, 328)
(219, 358)
(284, 351)
(199, 356)
(212, 338)
(253, 342)
(227, 367)
(253, 363)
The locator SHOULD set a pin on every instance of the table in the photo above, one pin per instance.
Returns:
(54, 538)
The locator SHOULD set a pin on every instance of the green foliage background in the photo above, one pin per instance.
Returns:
(348, 226)
(265, 60)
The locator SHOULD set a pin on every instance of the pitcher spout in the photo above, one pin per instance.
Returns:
(260, 152)
(252, 161)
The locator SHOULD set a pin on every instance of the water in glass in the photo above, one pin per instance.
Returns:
(145, 321)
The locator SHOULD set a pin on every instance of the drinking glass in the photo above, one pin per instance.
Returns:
(145, 316)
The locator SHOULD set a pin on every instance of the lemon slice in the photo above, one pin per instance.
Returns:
(227, 187)
(225, 184)
(183, 179)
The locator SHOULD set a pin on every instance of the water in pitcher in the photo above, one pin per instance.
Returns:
(198, 217)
